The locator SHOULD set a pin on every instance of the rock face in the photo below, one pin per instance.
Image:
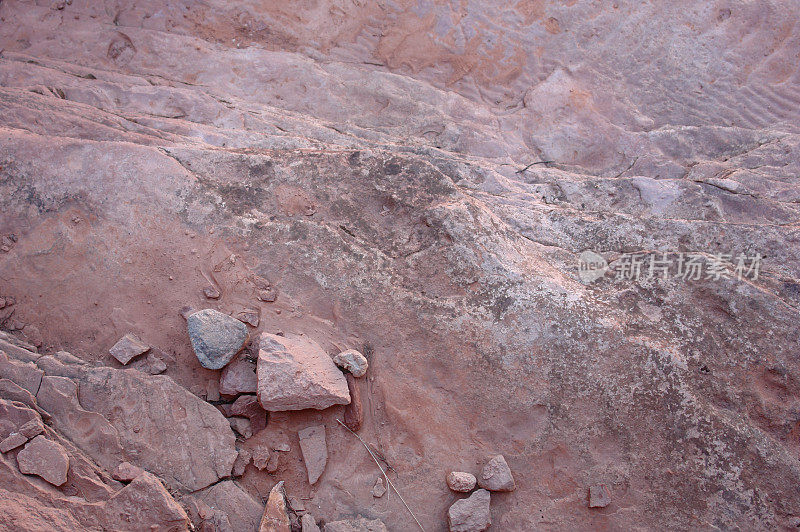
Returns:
(216, 337)
(496, 475)
(295, 374)
(46, 459)
(275, 518)
(471, 514)
(461, 482)
(315, 451)
(353, 362)
(128, 347)
(422, 178)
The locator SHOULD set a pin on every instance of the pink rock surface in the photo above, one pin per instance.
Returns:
(314, 447)
(295, 374)
(238, 377)
(44, 458)
(420, 178)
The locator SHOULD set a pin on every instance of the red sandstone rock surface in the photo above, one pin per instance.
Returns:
(416, 181)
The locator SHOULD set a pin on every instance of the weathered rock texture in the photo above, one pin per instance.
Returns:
(418, 177)
(295, 374)
(471, 514)
(215, 337)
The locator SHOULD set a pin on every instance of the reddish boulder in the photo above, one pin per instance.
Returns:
(295, 374)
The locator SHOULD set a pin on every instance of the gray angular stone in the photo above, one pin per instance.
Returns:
(216, 337)
(471, 514)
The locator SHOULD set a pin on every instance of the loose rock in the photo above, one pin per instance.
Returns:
(461, 482)
(379, 489)
(295, 374)
(242, 426)
(128, 347)
(242, 460)
(126, 472)
(248, 406)
(216, 337)
(22, 435)
(352, 361)
(275, 518)
(261, 458)
(238, 377)
(315, 451)
(599, 496)
(44, 458)
(249, 316)
(496, 475)
(471, 514)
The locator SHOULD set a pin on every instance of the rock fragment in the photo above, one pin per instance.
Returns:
(354, 412)
(353, 362)
(308, 523)
(295, 374)
(276, 518)
(599, 496)
(315, 451)
(24, 433)
(242, 460)
(238, 377)
(261, 458)
(242, 426)
(126, 472)
(44, 458)
(216, 337)
(211, 292)
(496, 475)
(272, 465)
(471, 514)
(379, 489)
(128, 347)
(461, 482)
(249, 407)
(249, 316)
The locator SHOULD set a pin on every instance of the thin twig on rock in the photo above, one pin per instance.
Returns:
(389, 482)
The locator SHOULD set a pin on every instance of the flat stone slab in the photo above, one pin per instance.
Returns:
(216, 337)
(295, 374)
(315, 451)
(128, 347)
(44, 458)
